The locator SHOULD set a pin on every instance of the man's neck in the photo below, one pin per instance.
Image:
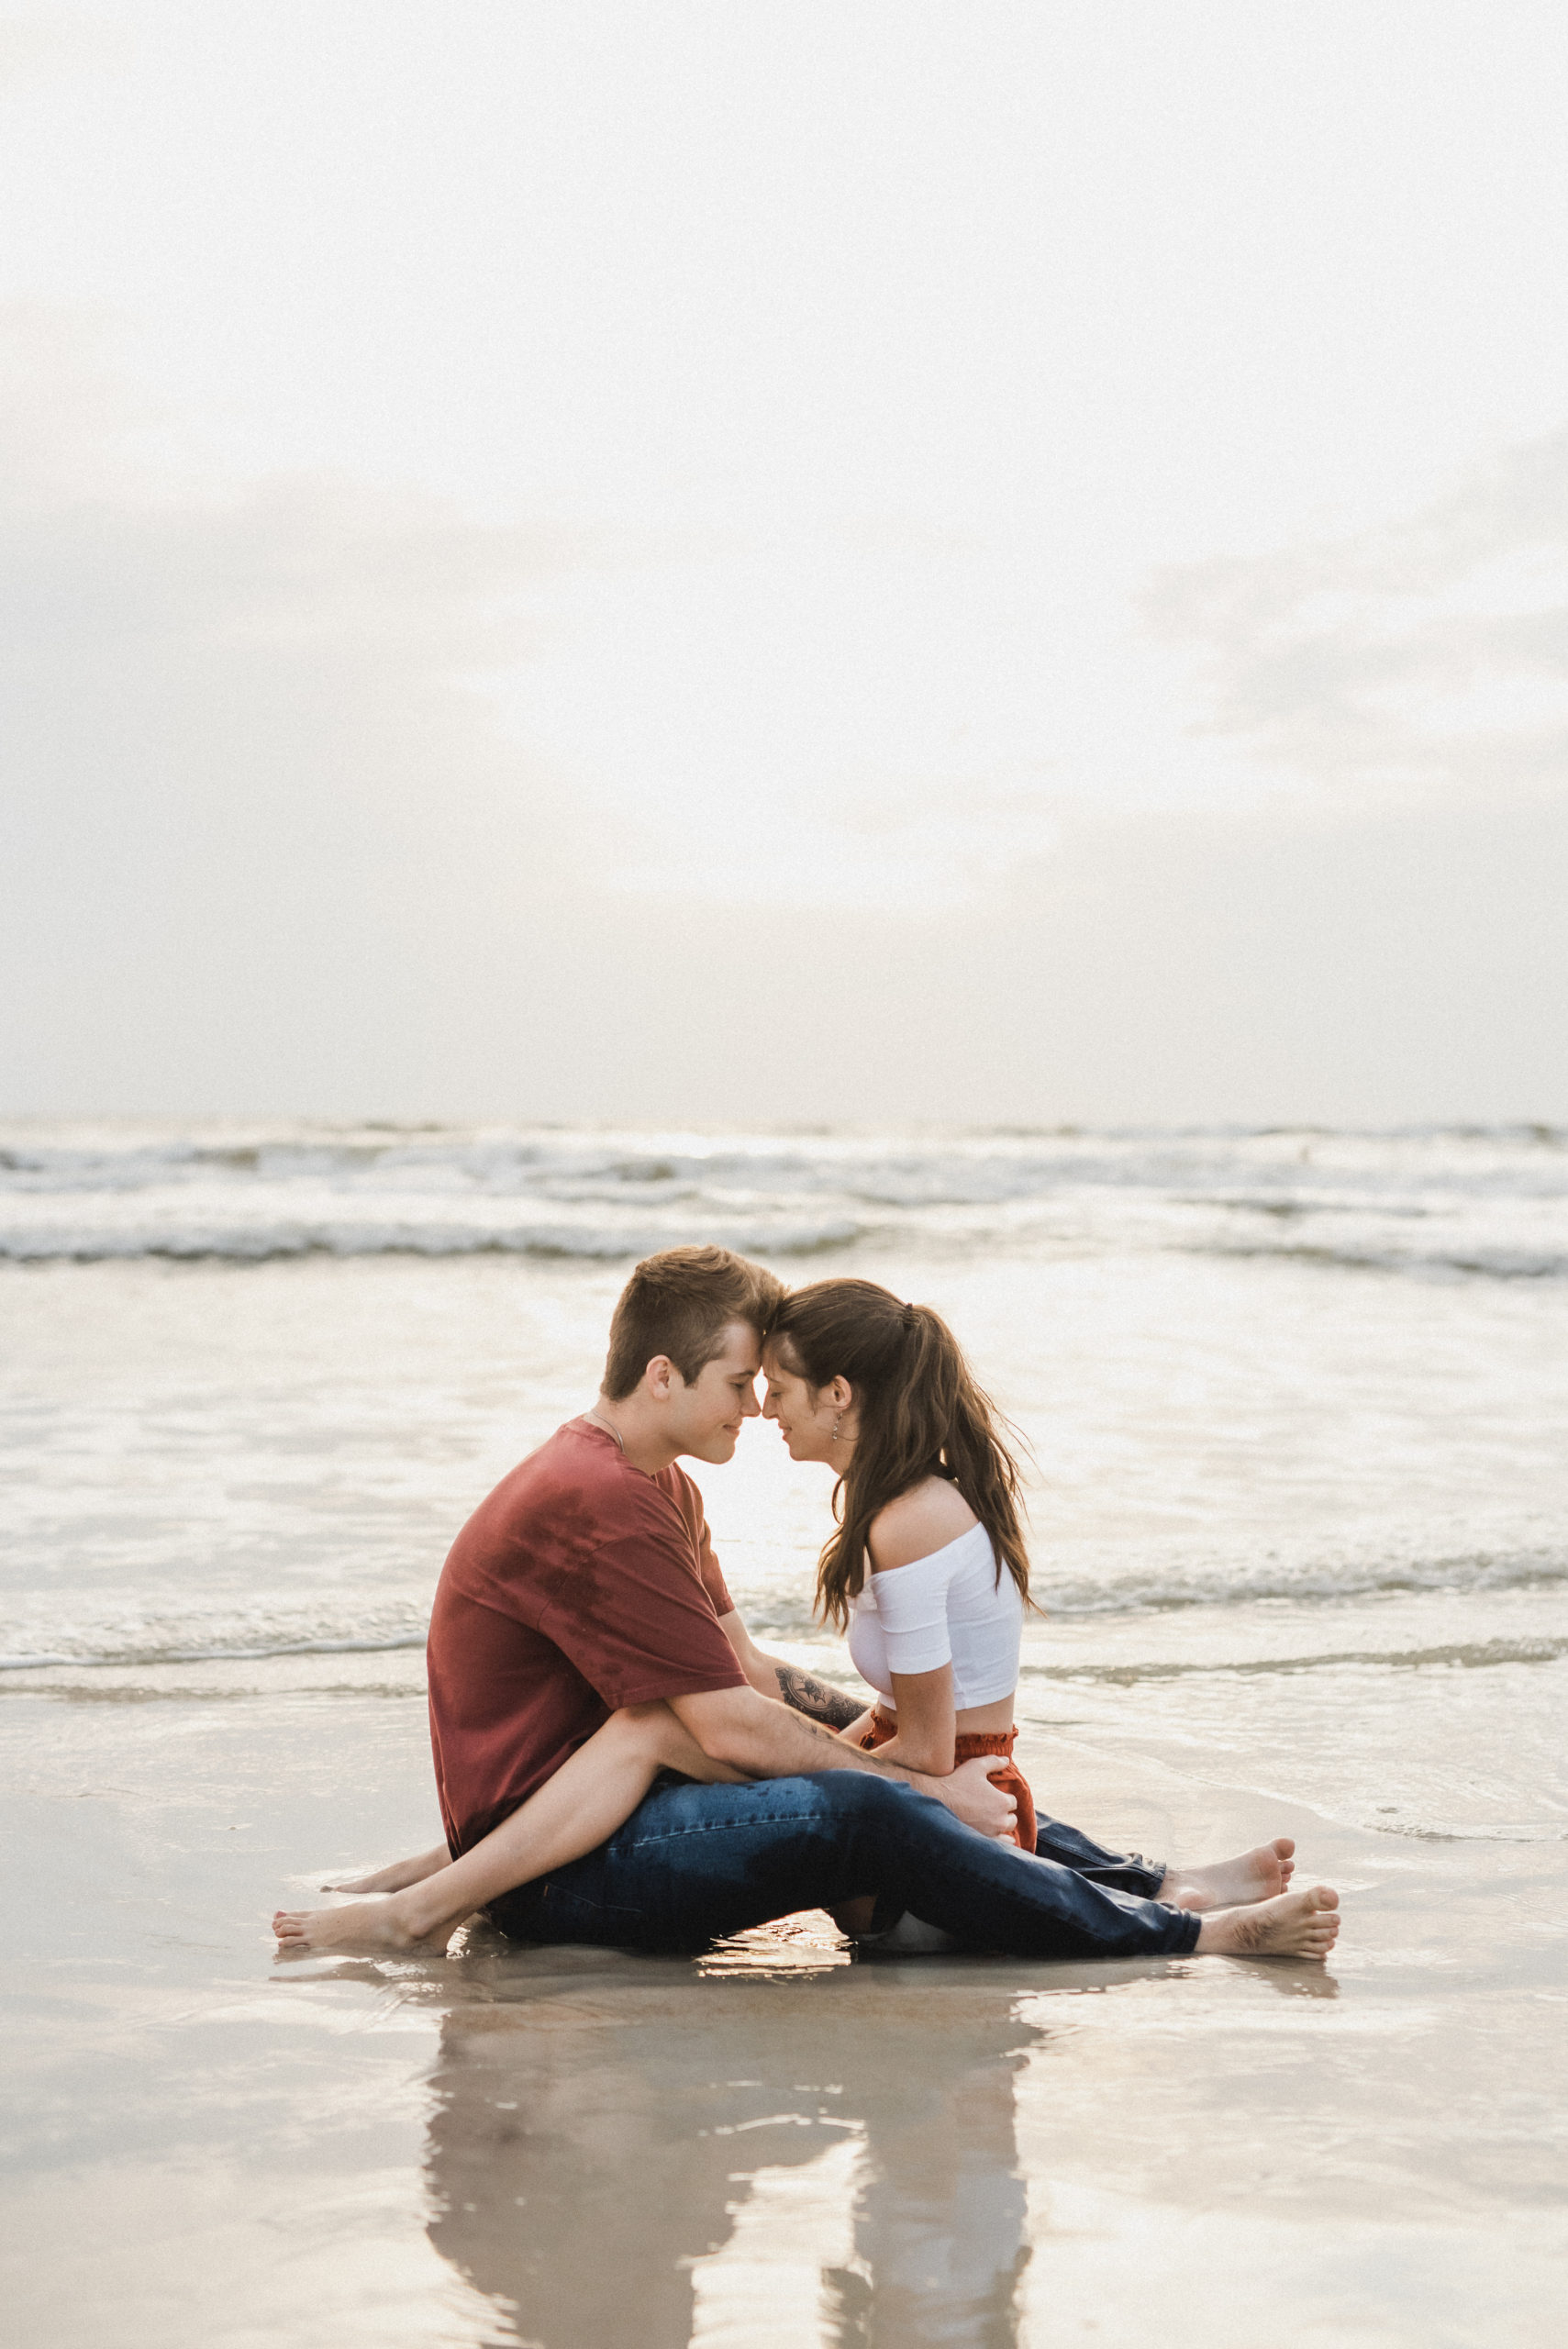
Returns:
(645, 1445)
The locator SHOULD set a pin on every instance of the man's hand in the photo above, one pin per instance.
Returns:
(970, 1795)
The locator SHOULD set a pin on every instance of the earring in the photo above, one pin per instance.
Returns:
(837, 1424)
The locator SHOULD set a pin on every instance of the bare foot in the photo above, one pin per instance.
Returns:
(1296, 1924)
(1260, 1875)
(373, 1927)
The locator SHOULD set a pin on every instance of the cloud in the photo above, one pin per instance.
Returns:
(268, 848)
(252, 808)
(1423, 662)
(32, 47)
(914, 847)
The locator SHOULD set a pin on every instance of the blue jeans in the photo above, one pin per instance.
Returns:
(693, 1863)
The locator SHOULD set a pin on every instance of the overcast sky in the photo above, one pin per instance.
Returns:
(1003, 562)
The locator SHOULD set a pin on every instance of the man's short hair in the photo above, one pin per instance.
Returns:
(680, 1303)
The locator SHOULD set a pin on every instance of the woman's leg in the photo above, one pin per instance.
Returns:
(399, 1875)
(592, 1793)
(1259, 1875)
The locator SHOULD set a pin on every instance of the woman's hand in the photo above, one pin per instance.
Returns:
(857, 1728)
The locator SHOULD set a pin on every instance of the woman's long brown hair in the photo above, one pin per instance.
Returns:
(921, 1414)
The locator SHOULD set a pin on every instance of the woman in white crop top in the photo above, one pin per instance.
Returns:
(926, 1570)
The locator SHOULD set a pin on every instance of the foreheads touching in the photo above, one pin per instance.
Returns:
(683, 1304)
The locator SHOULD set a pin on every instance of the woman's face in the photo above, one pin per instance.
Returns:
(806, 1415)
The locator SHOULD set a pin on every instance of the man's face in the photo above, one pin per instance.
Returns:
(706, 1416)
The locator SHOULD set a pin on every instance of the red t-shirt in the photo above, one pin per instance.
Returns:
(580, 1586)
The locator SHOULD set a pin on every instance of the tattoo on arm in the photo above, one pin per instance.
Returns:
(816, 1699)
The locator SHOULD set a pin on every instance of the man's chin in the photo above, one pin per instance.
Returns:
(716, 1450)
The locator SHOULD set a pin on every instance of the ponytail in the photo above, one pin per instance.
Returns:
(921, 1414)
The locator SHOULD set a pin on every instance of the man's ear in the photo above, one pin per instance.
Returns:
(660, 1377)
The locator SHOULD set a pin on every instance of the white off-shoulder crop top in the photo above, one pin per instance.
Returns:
(952, 1607)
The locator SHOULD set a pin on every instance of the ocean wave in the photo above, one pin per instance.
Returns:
(1304, 1583)
(1463, 1655)
(1488, 1205)
(91, 1659)
(265, 1243)
(1459, 1261)
(185, 1635)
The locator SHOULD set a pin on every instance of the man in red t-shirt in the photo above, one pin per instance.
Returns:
(583, 1584)
(586, 1582)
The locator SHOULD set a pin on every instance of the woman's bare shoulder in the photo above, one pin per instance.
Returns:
(927, 1517)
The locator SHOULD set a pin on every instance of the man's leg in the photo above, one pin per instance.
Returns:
(695, 1863)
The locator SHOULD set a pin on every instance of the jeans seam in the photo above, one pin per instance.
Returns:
(563, 1896)
(721, 1827)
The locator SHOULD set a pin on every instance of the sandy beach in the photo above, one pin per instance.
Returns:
(1298, 1527)
(770, 2143)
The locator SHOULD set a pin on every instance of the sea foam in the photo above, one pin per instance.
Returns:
(1484, 1203)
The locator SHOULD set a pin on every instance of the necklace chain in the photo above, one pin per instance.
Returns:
(609, 1429)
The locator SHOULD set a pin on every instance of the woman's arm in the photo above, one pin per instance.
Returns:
(904, 1533)
(595, 1791)
(927, 1722)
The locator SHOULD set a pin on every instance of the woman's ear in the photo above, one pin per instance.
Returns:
(840, 1393)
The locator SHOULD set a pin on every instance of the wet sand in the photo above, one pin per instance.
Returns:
(771, 2144)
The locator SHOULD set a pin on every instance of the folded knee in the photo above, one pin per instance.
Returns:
(646, 1727)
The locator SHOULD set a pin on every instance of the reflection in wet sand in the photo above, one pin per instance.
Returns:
(657, 2156)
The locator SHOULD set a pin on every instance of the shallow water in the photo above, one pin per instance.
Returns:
(770, 2143)
(1301, 1522)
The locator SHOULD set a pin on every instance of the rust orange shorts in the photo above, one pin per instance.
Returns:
(1012, 1779)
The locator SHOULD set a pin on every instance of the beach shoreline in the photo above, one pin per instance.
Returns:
(1299, 1528)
